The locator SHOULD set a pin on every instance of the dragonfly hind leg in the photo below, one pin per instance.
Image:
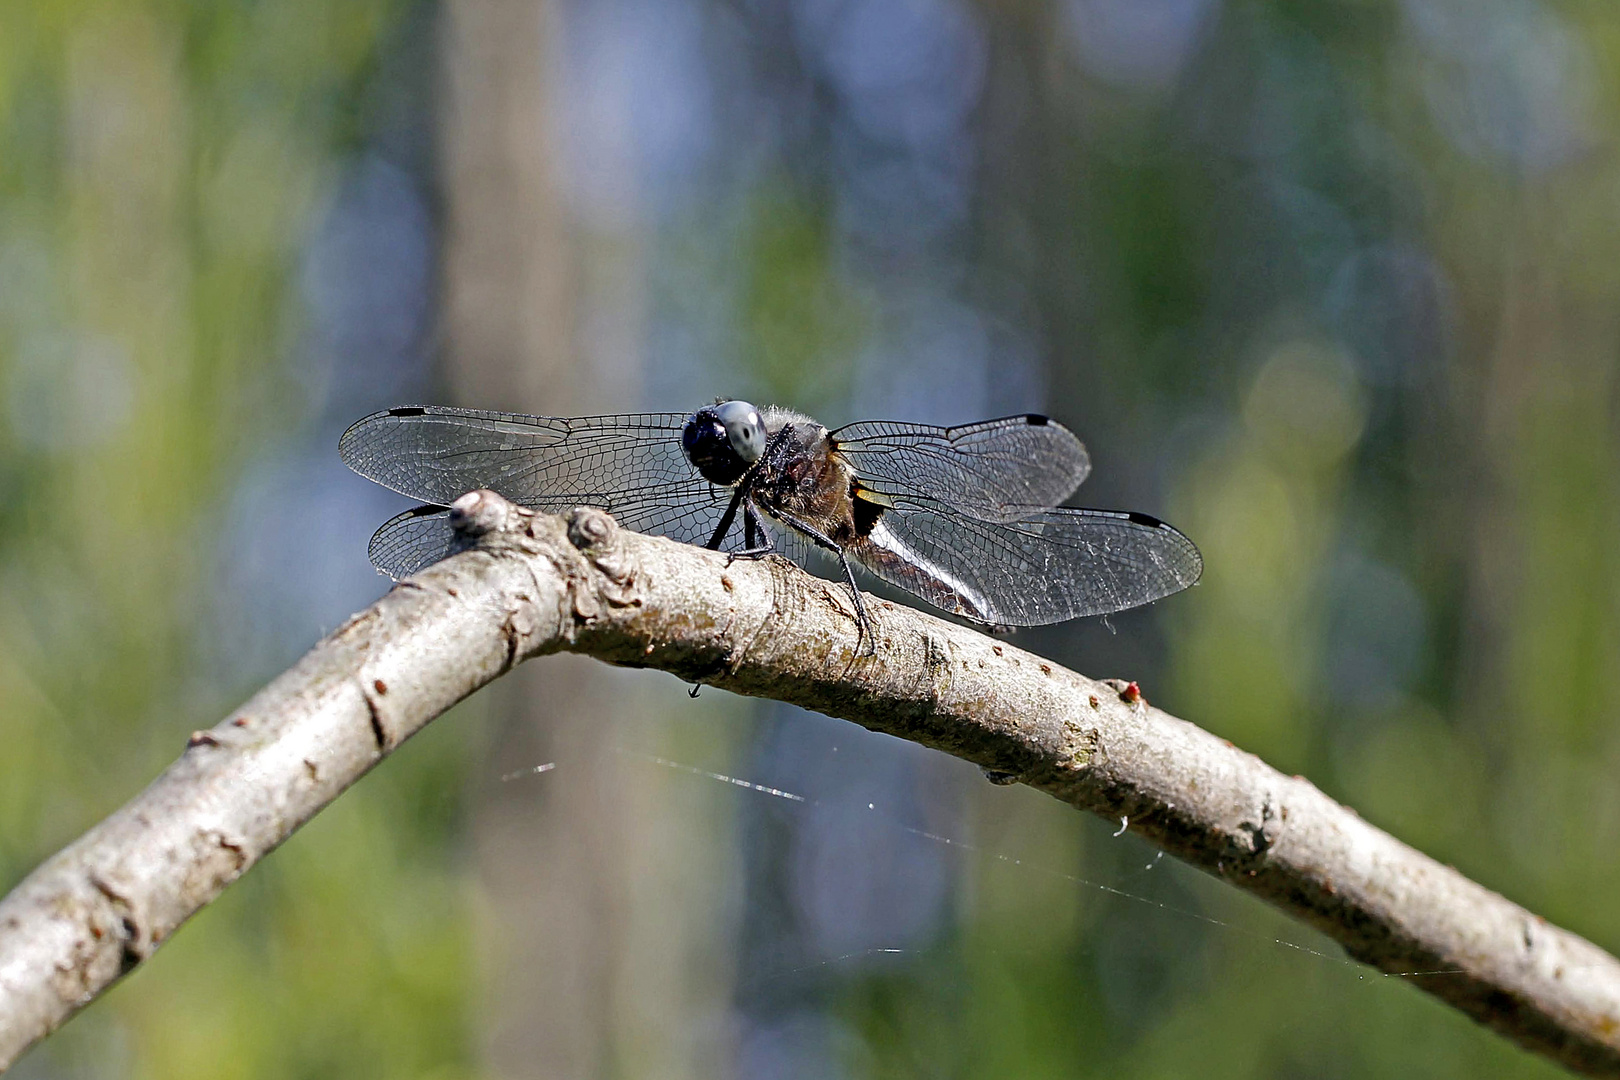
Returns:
(864, 630)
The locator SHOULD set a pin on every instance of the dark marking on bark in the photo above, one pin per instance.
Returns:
(238, 852)
(131, 946)
(202, 738)
(1260, 840)
(509, 635)
(378, 732)
(379, 686)
(1088, 750)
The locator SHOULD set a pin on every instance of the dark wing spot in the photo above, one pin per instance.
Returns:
(1037, 420)
(409, 410)
(866, 514)
(1144, 519)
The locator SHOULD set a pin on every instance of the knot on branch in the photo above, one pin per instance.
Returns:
(482, 513)
(590, 529)
(598, 537)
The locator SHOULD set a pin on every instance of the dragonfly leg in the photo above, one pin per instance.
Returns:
(754, 535)
(725, 520)
(864, 630)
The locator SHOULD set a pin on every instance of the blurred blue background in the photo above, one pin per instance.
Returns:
(1333, 286)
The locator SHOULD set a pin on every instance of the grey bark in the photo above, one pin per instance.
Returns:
(535, 584)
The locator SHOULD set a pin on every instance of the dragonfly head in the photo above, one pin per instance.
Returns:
(722, 440)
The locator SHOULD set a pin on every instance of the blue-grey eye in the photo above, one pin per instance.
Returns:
(744, 429)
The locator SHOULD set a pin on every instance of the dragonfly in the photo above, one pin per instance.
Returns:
(967, 519)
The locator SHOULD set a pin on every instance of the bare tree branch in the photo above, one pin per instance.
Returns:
(533, 585)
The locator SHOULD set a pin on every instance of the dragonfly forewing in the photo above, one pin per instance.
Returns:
(630, 465)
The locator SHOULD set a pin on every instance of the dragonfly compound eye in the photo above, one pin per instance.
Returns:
(709, 447)
(744, 429)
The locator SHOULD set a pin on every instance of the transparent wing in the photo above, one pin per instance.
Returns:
(409, 542)
(1049, 566)
(631, 466)
(993, 470)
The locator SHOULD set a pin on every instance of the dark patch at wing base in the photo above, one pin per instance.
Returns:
(992, 470)
(865, 512)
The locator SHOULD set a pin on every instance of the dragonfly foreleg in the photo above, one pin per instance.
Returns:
(725, 520)
(751, 530)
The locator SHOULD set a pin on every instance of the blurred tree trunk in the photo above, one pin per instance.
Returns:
(552, 853)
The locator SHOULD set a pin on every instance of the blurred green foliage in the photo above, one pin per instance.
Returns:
(160, 166)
